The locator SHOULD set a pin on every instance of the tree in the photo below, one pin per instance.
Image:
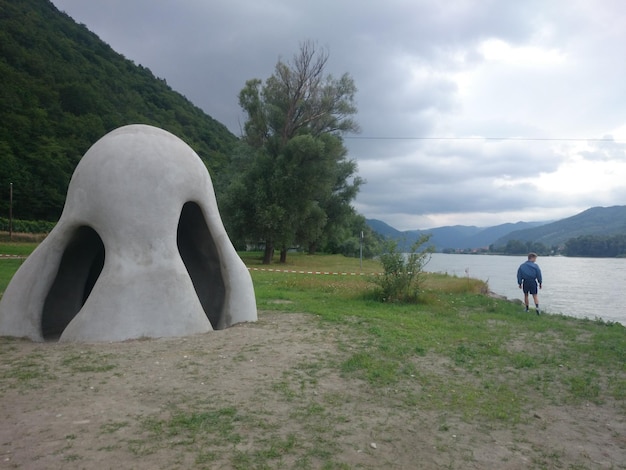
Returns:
(596, 246)
(296, 178)
(519, 247)
(355, 239)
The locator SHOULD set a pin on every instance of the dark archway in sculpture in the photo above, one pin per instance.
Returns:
(79, 269)
(199, 253)
(83, 260)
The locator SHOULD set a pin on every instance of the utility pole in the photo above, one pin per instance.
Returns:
(11, 211)
(361, 252)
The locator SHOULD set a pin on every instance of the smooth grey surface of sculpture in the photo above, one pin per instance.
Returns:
(139, 251)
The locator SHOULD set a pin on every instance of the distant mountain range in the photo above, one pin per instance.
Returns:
(606, 221)
(594, 221)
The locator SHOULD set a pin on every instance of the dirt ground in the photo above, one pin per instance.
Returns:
(261, 395)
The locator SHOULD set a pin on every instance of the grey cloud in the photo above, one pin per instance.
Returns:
(405, 57)
(605, 151)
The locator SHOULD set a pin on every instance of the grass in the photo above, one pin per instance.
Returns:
(565, 358)
(29, 371)
(561, 359)
(87, 362)
(457, 353)
(495, 362)
(22, 248)
(7, 270)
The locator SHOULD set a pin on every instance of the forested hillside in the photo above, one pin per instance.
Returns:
(597, 221)
(62, 89)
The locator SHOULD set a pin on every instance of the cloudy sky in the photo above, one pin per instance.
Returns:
(472, 112)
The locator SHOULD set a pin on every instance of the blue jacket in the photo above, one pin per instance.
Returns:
(529, 271)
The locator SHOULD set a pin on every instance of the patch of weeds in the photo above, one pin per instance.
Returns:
(543, 381)
(411, 399)
(311, 410)
(444, 427)
(31, 370)
(111, 427)
(371, 367)
(269, 453)
(240, 357)
(487, 399)
(218, 421)
(205, 458)
(335, 466)
(408, 370)
(577, 466)
(501, 403)
(109, 448)
(584, 386)
(277, 448)
(284, 388)
(523, 361)
(482, 354)
(307, 374)
(241, 460)
(88, 362)
(548, 459)
(188, 427)
(464, 354)
(141, 448)
(336, 398)
(322, 449)
(617, 388)
(9, 346)
(72, 457)
(318, 433)
(311, 368)
(492, 307)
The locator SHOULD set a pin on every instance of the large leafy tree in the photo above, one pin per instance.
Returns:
(294, 182)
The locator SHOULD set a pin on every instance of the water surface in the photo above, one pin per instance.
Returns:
(579, 287)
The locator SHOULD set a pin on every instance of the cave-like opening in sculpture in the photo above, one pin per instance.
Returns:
(83, 259)
(200, 255)
(79, 269)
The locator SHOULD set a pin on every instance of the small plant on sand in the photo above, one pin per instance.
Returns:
(402, 273)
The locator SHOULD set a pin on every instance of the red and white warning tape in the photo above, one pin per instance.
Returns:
(328, 273)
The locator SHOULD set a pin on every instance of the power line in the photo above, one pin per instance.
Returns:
(521, 139)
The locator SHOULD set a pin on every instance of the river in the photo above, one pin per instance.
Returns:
(579, 287)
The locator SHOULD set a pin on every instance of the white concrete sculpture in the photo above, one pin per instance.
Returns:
(139, 251)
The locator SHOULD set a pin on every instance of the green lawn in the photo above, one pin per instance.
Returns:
(567, 359)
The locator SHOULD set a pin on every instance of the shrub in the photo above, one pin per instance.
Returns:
(402, 272)
(27, 226)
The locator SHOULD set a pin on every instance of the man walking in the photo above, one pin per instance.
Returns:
(528, 277)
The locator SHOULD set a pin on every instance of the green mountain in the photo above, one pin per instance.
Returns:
(602, 221)
(597, 221)
(62, 89)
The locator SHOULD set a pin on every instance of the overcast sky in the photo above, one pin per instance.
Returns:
(472, 112)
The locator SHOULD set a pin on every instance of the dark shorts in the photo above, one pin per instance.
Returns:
(529, 287)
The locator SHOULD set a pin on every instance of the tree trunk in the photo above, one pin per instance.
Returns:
(283, 255)
(312, 248)
(269, 252)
